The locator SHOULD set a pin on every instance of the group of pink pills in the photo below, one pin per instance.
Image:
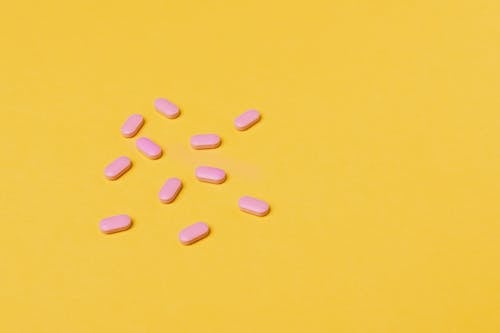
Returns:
(171, 188)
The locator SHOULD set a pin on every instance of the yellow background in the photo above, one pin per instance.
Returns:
(378, 151)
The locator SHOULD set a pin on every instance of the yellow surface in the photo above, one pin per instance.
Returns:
(378, 151)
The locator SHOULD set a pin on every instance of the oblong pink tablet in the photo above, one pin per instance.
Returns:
(194, 233)
(210, 175)
(253, 206)
(246, 120)
(132, 125)
(170, 190)
(149, 148)
(205, 141)
(117, 168)
(167, 108)
(115, 223)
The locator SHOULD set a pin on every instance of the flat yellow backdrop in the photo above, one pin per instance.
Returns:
(378, 151)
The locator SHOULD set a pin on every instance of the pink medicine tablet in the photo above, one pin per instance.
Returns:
(167, 108)
(170, 190)
(132, 125)
(247, 120)
(117, 168)
(115, 223)
(149, 148)
(210, 175)
(194, 233)
(253, 206)
(205, 141)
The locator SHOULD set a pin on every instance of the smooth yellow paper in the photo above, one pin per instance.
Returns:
(378, 151)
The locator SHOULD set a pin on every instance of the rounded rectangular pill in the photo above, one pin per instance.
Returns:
(117, 168)
(205, 141)
(210, 175)
(194, 233)
(167, 108)
(247, 120)
(115, 223)
(148, 148)
(253, 206)
(132, 125)
(170, 190)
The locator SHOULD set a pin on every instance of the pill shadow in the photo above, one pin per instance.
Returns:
(258, 218)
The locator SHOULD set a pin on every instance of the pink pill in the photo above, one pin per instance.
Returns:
(115, 223)
(253, 206)
(149, 148)
(170, 190)
(205, 141)
(210, 175)
(117, 168)
(167, 108)
(194, 233)
(132, 125)
(247, 120)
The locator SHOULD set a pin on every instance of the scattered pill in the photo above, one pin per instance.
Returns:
(194, 233)
(253, 206)
(210, 175)
(115, 223)
(246, 120)
(117, 168)
(167, 108)
(149, 148)
(205, 141)
(170, 190)
(132, 125)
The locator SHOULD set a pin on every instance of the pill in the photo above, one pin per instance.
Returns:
(170, 190)
(117, 168)
(149, 148)
(115, 223)
(205, 141)
(210, 175)
(194, 233)
(167, 108)
(246, 120)
(253, 206)
(132, 125)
